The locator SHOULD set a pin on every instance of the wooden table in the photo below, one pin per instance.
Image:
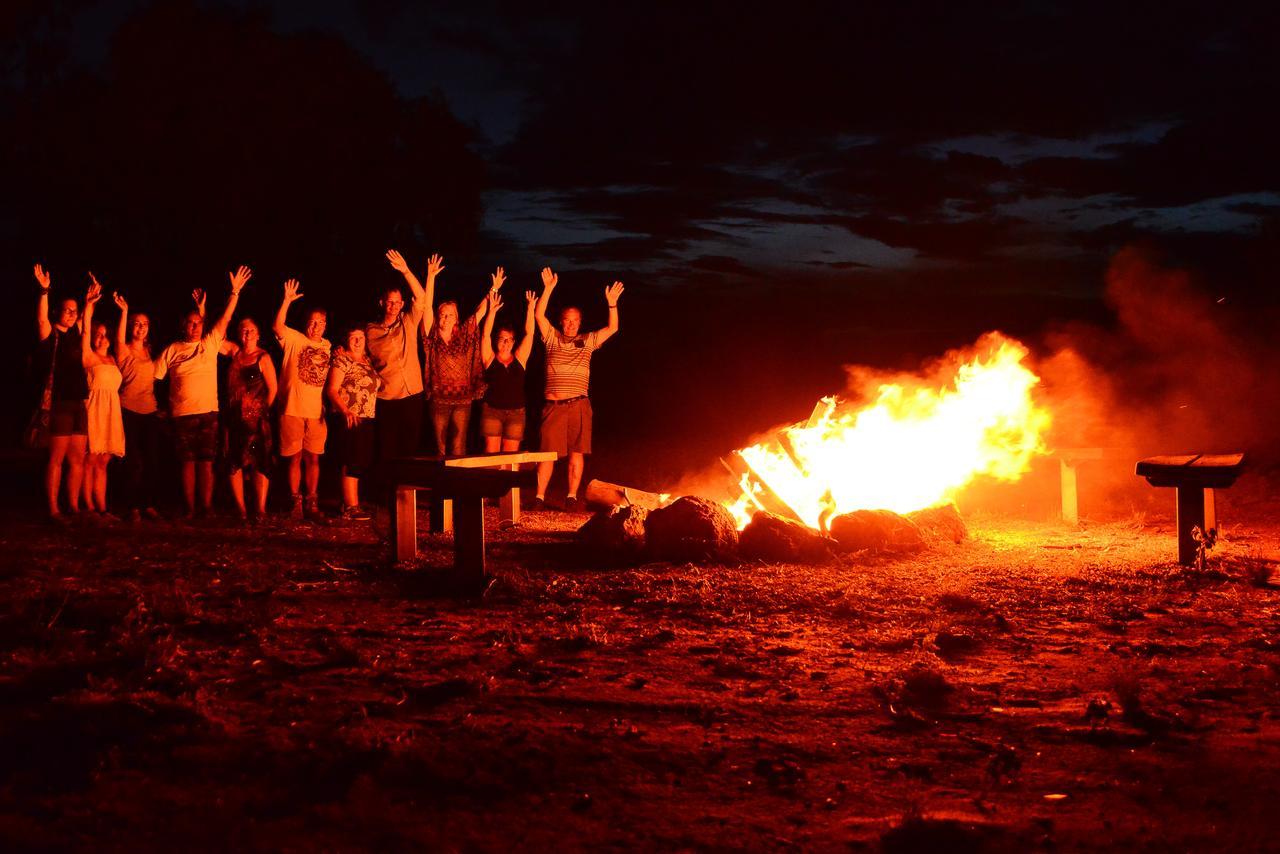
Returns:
(1195, 476)
(460, 485)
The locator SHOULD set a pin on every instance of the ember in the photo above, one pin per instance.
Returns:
(915, 445)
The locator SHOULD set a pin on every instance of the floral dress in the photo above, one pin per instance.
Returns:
(247, 431)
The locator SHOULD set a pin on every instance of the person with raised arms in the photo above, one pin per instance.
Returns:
(139, 411)
(105, 427)
(502, 418)
(191, 364)
(393, 346)
(566, 414)
(62, 415)
(453, 369)
(302, 377)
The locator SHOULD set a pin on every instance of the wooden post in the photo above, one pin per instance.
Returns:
(1070, 498)
(404, 522)
(441, 515)
(1210, 511)
(468, 539)
(509, 504)
(1191, 507)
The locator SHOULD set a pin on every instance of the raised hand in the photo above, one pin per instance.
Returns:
(497, 278)
(239, 279)
(435, 266)
(549, 279)
(43, 277)
(531, 297)
(198, 297)
(495, 302)
(611, 294)
(94, 293)
(120, 301)
(292, 291)
(397, 261)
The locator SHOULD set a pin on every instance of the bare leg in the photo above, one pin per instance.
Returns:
(75, 469)
(510, 445)
(544, 477)
(350, 489)
(313, 472)
(575, 472)
(295, 473)
(493, 443)
(236, 479)
(87, 481)
(205, 469)
(53, 470)
(263, 485)
(189, 485)
(100, 481)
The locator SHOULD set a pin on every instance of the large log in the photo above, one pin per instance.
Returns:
(691, 529)
(601, 493)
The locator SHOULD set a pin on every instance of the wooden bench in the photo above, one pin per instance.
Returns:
(460, 485)
(1195, 477)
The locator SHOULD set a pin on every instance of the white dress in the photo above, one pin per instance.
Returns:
(106, 425)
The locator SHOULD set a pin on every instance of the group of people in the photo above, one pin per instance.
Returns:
(99, 398)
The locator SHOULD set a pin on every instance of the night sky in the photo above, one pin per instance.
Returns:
(781, 186)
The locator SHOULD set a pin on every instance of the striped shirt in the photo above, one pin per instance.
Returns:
(568, 363)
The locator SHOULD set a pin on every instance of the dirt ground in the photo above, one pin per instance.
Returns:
(285, 687)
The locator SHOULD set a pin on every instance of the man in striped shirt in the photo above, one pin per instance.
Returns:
(566, 412)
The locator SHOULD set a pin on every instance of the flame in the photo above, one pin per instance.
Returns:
(915, 445)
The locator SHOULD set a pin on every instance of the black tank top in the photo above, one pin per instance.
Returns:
(506, 385)
(62, 354)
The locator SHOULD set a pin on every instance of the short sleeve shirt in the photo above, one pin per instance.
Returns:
(569, 363)
(303, 373)
(393, 349)
(138, 388)
(358, 384)
(192, 368)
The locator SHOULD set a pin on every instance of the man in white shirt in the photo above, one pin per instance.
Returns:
(302, 378)
(192, 367)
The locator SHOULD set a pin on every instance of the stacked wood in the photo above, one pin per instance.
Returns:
(616, 532)
(941, 524)
(876, 530)
(776, 538)
(689, 529)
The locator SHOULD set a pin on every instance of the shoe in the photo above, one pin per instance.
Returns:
(295, 512)
(355, 513)
(135, 516)
(538, 505)
(571, 505)
(61, 520)
(312, 510)
(107, 518)
(152, 514)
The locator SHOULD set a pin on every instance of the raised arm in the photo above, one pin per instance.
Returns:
(496, 278)
(549, 282)
(122, 327)
(43, 326)
(199, 297)
(486, 334)
(292, 293)
(238, 280)
(525, 348)
(402, 267)
(91, 298)
(611, 295)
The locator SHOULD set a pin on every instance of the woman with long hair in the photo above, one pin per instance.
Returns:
(247, 439)
(105, 425)
(139, 410)
(502, 418)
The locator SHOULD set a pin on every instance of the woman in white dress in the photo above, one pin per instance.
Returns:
(106, 425)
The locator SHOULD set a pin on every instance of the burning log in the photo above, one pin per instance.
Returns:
(761, 494)
(604, 494)
(876, 530)
(775, 538)
(941, 523)
(618, 531)
(691, 528)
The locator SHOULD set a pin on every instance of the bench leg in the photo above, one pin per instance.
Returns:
(468, 539)
(404, 523)
(441, 516)
(509, 504)
(1191, 514)
(1070, 501)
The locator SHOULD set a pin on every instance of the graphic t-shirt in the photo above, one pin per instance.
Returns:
(193, 386)
(303, 373)
(358, 384)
